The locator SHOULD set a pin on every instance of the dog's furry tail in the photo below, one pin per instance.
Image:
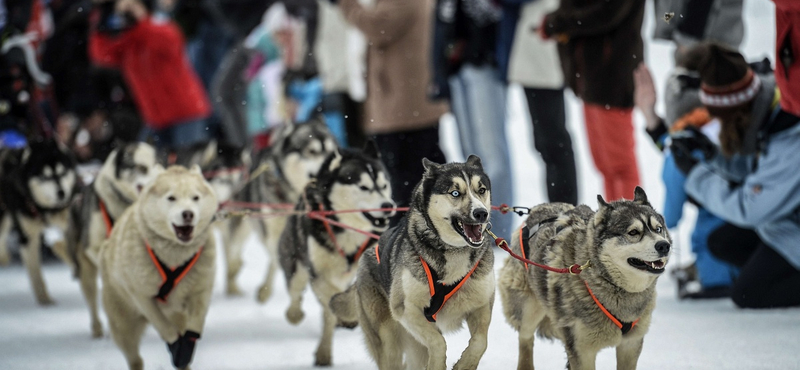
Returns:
(343, 305)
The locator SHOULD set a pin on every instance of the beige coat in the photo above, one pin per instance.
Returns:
(399, 34)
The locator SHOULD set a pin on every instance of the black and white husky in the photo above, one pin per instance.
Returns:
(37, 185)
(323, 254)
(429, 274)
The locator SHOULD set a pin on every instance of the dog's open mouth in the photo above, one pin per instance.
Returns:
(184, 233)
(472, 233)
(378, 222)
(655, 267)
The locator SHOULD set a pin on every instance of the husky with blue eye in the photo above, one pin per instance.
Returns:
(429, 274)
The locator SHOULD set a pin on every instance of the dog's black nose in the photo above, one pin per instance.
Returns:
(662, 248)
(387, 207)
(480, 215)
(60, 194)
(188, 216)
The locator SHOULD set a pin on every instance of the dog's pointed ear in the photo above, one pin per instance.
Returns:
(336, 162)
(245, 157)
(26, 154)
(603, 209)
(209, 153)
(196, 169)
(429, 166)
(474, 161)
(601, 203)
(371, 149)
(640, 197)
(156, 170)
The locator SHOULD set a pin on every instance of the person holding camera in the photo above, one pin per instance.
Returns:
(149, 52)
(750, 181)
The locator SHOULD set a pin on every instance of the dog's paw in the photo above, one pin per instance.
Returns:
(232, 290)
(346, 324)
(264, 293)
(461, 366)
(322, 359)
(97, 330)
(45, 301)
(295, 315)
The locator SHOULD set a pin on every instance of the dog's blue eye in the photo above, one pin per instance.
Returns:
(455, 193)
(658, 229)
(171, 198)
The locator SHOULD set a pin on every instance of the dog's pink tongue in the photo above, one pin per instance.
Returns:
(473, 232)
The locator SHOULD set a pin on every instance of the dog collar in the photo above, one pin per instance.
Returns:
(440, 293)
(624, 326)
(170, 276)
(106, 217)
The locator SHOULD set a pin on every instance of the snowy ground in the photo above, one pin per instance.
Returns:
(240, 334)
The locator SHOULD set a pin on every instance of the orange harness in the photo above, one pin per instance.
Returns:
(170, 276)
(624, 326)
(353, 258)
(440, 293)
(106, 217)
(524, 237)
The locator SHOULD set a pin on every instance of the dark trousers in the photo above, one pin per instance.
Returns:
(402, 153)
(551, 139)
(766, 279)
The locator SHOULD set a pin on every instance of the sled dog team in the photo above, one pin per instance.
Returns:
(147, 231)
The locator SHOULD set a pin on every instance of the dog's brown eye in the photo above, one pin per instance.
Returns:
(482, 191)
(364, 188)
(195, 198)
(633, 232)
(171, 198)
(455, 193)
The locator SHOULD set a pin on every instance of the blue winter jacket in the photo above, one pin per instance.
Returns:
(760, 191)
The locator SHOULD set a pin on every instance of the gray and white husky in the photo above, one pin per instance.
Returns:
(624, 247)
(125, 173)
(313, 250)
(429, 274)
(279, 174)
(37, 185)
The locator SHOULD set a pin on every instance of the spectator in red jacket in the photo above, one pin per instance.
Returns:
(787, 19)
(150, 54)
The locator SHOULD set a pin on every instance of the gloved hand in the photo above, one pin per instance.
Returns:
(689, 147)
(183, 349)
(693, 139)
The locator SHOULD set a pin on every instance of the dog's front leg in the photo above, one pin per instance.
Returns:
(581, 351)
(32, 257)
(628, 353)
(5, 229)
(324, 291)
(168, 331)
(478, 323)
(426, 333)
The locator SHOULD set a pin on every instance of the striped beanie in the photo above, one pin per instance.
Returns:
(726, 78)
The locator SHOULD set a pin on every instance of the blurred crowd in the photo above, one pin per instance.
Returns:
(179, 73)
